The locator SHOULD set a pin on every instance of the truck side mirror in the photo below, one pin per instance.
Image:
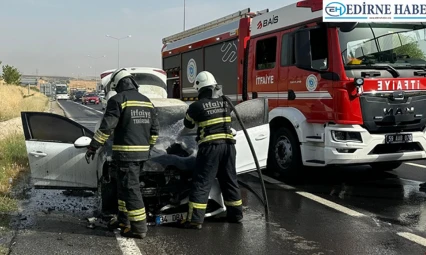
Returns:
(346, 27)
(302, 47)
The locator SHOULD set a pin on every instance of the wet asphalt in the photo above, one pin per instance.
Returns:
(351, 210)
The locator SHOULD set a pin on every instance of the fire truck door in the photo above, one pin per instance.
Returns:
(265, 65)
(310, 90)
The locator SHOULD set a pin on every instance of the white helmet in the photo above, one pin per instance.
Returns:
(117, 76)
(204, 79)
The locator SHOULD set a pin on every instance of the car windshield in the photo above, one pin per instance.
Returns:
(61, 90)
(90, 95)
(395, 44)
(149, 79)
(144, 79)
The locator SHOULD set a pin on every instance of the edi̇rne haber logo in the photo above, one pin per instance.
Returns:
(372, 11)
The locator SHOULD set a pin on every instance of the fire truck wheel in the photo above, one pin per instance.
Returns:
(284, 153)
(385, 166)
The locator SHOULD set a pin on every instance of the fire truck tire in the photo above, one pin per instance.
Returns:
(284, 152)
(385, 166)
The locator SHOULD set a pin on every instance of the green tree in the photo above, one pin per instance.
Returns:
(411, 49)
(11, 75)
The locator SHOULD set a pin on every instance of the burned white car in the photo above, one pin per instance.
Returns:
(56, 148)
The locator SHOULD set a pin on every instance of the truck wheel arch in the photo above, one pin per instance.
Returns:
(292, 117)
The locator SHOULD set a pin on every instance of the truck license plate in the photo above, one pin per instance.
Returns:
(398, 138)
(170, 218)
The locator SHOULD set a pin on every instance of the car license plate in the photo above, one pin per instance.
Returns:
(398, 138)
(169, 218)
(92, 101)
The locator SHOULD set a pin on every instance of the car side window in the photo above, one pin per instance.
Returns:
(253, 113)
(54, 128)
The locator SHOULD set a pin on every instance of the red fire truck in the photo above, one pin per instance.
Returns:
(339, 93)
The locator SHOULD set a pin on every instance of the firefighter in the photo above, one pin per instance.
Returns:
(216, 153)
(133, 119)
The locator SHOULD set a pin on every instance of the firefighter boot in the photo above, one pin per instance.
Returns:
(422, 187)
(114, 224)
(190, 225)
(137, 230)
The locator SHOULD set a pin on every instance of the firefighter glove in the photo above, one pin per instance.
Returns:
(90, 153)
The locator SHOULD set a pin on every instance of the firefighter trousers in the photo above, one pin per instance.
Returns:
(215, 160)
(131, 209)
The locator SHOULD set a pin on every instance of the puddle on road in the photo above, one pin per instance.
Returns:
(80, 204)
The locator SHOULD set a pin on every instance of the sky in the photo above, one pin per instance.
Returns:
(54, 37)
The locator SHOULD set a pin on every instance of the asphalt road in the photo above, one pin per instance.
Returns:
(351, 210)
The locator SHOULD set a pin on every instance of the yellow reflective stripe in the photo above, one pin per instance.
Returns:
(136, 212)
(100, 137)
(137, 218)
(234, 203)
(122, 208)
(121, 202)
(202, 133)
(215, 137)
(130, 148)
(136, 103)
(153, 139)
(189, 118)
(197, 205)
(214, 121)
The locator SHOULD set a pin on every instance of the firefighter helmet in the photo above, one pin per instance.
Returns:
(117, 76)
(204, 79)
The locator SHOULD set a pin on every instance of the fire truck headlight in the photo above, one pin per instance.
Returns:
(343, 136)
(359, 82)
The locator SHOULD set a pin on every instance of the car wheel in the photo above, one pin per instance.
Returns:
(385, 166)
(284, 152)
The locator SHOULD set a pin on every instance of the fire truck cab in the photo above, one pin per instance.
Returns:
(339, 93)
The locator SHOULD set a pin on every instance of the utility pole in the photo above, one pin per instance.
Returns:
(118, 44)
(184, 14)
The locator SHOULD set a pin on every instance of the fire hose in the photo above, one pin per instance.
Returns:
(253, 152)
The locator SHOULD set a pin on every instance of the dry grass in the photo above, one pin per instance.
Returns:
(16, 99)
(13, 165)
(89, 85)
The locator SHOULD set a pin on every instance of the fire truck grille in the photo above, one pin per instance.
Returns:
(393, 112)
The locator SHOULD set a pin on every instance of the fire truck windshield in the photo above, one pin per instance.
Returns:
(400, 45)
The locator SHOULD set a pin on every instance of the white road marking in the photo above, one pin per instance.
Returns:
(413, 238)
(330, 204)
(313, 197)
(273, 181)
(66, 113)
(417, 165)
(88, 107)
(127, 245)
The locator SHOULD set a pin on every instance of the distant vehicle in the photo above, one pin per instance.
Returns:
(62, 92)
(90, 98)
(78, 95)
(152, 82)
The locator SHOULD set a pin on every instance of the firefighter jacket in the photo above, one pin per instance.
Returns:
(133, 119)
(213, 117)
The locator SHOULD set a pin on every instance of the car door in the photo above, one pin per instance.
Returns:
(54, 161)
(254, 115)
